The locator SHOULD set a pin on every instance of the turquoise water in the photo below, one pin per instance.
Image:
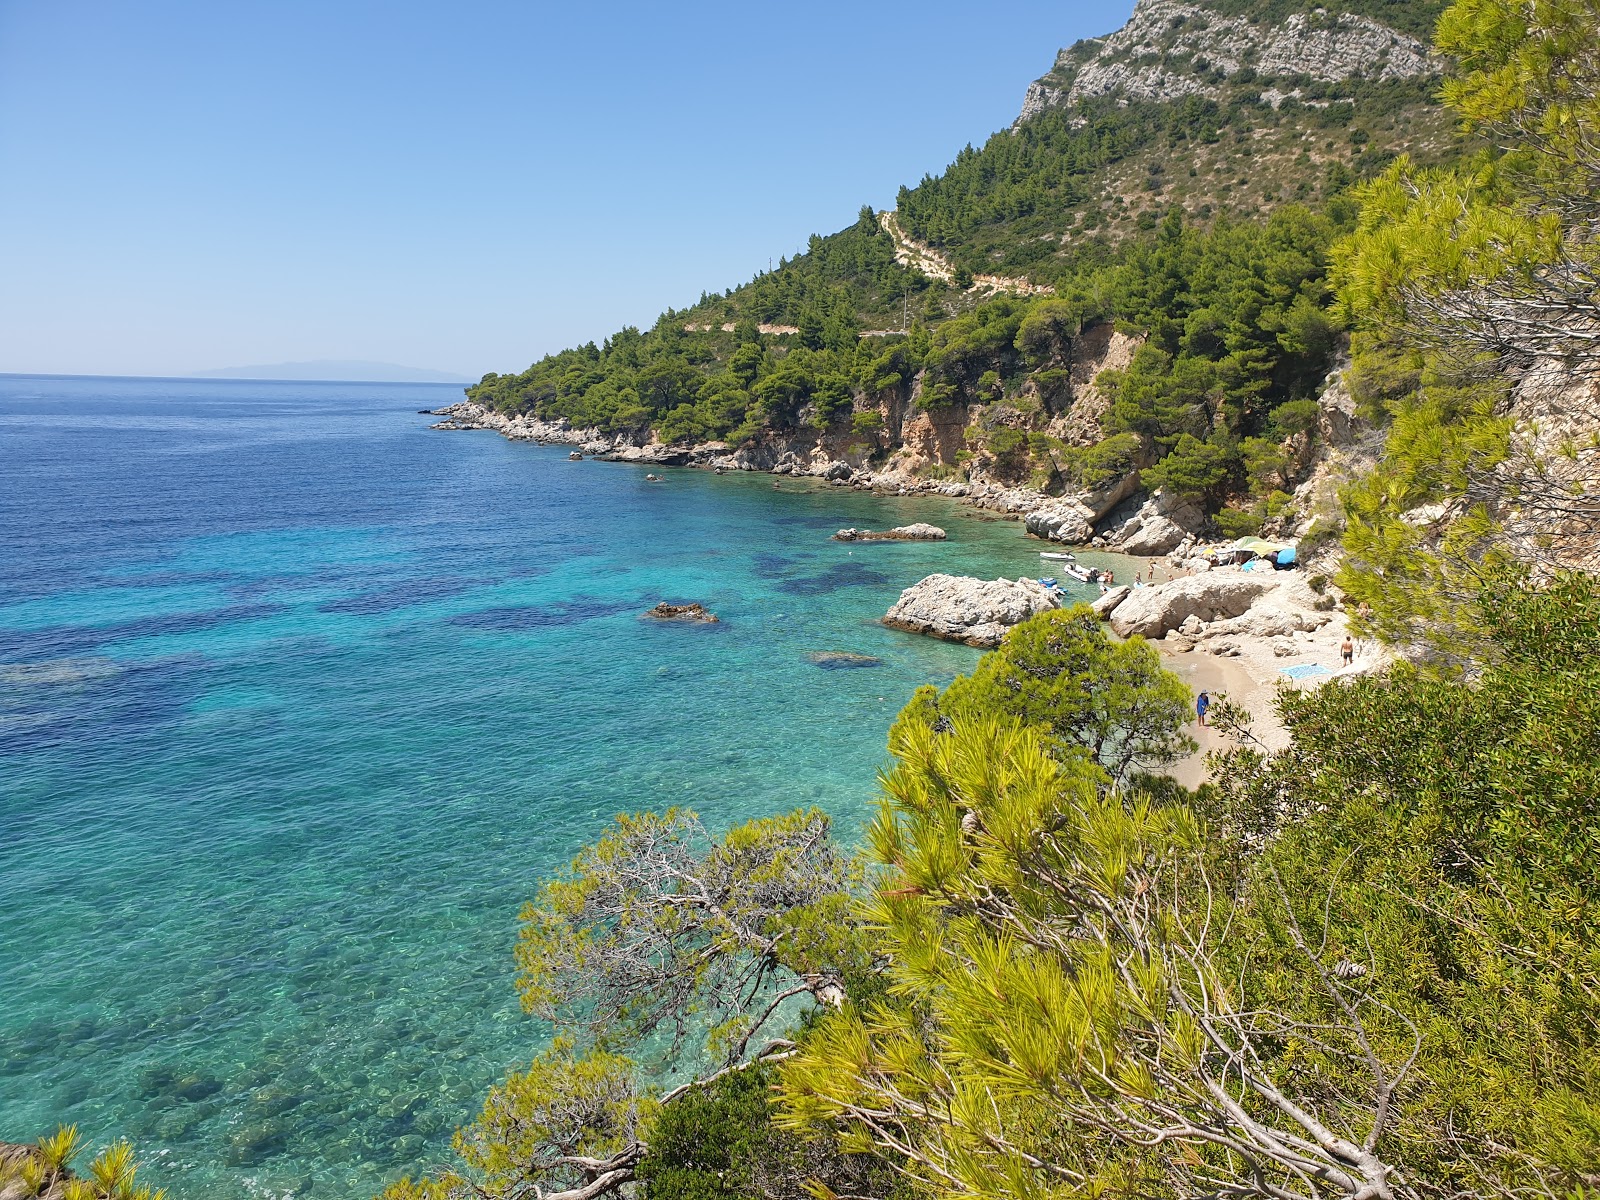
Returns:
(298, 702)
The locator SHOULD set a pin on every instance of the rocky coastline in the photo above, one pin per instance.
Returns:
(1119, 517)
(1258, 622)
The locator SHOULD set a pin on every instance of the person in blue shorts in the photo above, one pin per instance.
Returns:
(1201, 703)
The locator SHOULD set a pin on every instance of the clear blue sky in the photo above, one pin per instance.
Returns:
(462, 185)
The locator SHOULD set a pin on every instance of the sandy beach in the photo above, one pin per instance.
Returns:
(1235, 679)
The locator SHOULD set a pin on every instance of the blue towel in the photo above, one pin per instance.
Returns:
(1306, 671)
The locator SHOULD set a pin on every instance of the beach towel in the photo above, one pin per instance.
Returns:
(1306, 671)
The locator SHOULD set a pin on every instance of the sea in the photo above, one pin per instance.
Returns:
(300, 700)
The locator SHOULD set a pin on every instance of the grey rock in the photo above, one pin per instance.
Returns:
(1158, 526)
(1152, 611)
(682, 612)
(959, 608)
(1155, 55)
(1106, 603)
(843, 660)
(1072, 519)
(918, 532)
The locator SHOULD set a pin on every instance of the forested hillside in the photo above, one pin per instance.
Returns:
(1200, 225)
(1362, 966)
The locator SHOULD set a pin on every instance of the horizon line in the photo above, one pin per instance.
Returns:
(230, 379)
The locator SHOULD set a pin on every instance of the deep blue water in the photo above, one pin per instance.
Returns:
(298, 702)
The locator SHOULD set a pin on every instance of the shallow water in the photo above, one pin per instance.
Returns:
(298, 702)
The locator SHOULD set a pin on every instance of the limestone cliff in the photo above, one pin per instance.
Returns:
(1169, 49)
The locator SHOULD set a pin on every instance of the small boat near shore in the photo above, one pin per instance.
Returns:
(1071, 566)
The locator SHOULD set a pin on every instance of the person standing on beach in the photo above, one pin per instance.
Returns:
(1201, 703)
(1348, 650)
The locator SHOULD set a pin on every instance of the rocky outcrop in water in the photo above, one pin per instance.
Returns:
(682, 612)
(918, 532)
(959, 608)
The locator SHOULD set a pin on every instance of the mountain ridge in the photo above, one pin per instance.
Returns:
(1169, 49)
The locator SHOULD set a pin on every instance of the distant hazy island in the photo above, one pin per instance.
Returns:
(337, 370)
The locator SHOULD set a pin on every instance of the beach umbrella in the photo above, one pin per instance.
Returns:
(1257, 545)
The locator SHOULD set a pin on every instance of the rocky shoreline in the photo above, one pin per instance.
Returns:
(1118, 517)
(1261, 622)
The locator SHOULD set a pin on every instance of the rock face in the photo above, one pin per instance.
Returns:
(1556, 409)
(12, 1185)
(682, 612)
(1158, 526)
(1217, 595)
(959, 608)
(919, 532)
(1072, 519)
(1168, 49)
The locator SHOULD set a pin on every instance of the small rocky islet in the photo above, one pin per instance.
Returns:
(693, 613)
(919, 531)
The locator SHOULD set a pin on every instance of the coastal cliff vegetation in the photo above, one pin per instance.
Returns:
(1201, 225)
(1364, 965)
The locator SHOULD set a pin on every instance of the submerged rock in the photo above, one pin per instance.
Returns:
(959, 608)
(682, 612)
(919, 532)
(843, 660)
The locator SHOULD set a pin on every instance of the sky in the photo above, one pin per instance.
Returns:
(461, 185)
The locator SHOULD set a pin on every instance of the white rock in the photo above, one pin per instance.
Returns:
(1072, 519)
(1159, 526)
(959, 608)
(1152, 611)
(1110, 600)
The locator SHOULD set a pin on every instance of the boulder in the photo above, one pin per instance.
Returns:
(1072, 519)
(919, 532)
(1061, 522)
(838, 471)
(1158, 526)
(959, 608)
(1152, 611)
(682, 612)
(1110, 600)
(1269, 621)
